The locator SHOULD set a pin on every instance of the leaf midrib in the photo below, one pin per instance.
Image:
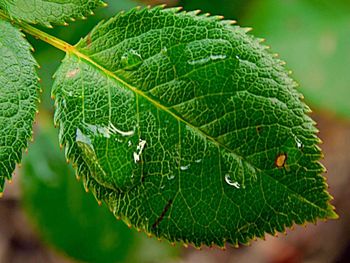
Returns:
(80, 55)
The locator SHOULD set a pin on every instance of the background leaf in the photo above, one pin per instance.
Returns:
(69, 219)
(313, 37)
(47, 12)
(18, 98)
(188, 128)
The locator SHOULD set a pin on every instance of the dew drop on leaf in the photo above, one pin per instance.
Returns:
(299, 143)
(202, 61)
(171, 177)
(230, 182)
(185, 167)
(130, 59)
(82, 138)
(139, 150)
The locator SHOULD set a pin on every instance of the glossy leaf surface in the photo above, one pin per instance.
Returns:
(189, 129)
(18, 98)
(46, 12)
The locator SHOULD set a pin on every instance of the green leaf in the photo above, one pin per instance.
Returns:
(313, 36)
(189, 129)
(18, 98)
(68, 218)
(46, 12)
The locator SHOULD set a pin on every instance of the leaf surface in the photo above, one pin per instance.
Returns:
(45, 12)
(18, 98)
(189, 129)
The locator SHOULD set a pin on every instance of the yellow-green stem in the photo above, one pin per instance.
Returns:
(58, 43)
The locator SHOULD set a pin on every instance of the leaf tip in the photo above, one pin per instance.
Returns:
(247, 29)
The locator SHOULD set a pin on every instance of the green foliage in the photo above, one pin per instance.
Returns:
(18, 98)
(45, 12)
(69, 219)
(189, 129)
(313, 37)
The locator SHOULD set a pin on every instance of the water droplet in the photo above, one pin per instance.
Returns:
(136, 157)
(98, 130)
(129, 143)
(112, 129)
(162, 186)
(198, 160)
(80, 137)
(130, 59)
(171, 177)
(230, 182)
(107, 131)
(206, 60)
(185, 167)
(139, 150)
(237, 57)
(298, 142)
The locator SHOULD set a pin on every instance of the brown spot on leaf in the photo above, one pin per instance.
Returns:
(281, 160)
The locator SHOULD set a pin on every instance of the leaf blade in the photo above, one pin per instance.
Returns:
(225, 158)
(19, 97)
(47, 12)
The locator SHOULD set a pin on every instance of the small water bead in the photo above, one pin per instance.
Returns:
(171, 177)
(136, 157)
(202, 61)
(298, 142)
(112, 129)
(229, 181)
(108, 131)
(80, 137)
(139, 150)
(130, 59)
(185, 167)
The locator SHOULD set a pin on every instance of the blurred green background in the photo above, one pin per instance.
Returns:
(312, 36)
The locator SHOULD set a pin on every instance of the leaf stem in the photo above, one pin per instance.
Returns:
(58, 43)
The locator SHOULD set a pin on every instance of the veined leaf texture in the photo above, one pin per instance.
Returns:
(188, 128)
(18, 98)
